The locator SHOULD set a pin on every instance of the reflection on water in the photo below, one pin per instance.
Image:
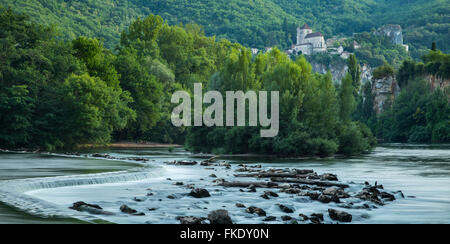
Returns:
(422, 172)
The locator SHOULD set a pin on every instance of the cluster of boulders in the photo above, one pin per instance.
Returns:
(189, 163)
(107, 156)
(96, 209)
(216, 217)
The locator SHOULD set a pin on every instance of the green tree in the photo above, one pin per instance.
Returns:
(347, 102)
(355, 71)
(16, 107)
(92, 111)
(97, 59)
(142, 35)
(136, 78)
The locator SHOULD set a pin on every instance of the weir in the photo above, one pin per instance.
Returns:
(13, 192)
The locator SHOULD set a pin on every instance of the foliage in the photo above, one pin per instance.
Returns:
(57, 94)
(256, 23)
(376, 50)
(355, 71)
(309, 110)
(48, 98)
(418, 115)
(383, 71)
(347, 101)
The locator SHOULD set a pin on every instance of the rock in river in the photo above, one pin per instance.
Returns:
(304, 217)
(89, 208)
(317, 215)
(335, 191)
(271, 193)
(190, 220)
(286, 218)
(389, 197)
(219, 217)
(240, 205)
(270, 218)
(139, 199)
(339, 215)
(199, 193)
(330, 177)
(255, 210)
(285, 209)
(128, 210)
(327, 199)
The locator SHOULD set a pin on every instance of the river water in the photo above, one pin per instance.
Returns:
(39, 188)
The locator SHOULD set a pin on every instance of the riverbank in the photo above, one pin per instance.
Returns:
(114, 145)
(118, 145)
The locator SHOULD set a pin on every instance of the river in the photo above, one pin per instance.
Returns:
(39, 188)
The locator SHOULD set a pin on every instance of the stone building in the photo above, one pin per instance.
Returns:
(309, 42)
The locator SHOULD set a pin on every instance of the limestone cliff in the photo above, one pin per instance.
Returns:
(394, 32)
(384, 90)
(438, 82)
(338, 70)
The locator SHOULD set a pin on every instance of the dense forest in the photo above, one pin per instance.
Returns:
(57, 93)
(255, 23)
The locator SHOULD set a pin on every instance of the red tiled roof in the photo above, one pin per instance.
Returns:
(306, 27)
(313, 35)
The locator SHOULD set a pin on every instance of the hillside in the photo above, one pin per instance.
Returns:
(256, 23)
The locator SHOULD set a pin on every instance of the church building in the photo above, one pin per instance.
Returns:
(308, 42)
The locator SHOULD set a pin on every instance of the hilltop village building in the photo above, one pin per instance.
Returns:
(309, 42)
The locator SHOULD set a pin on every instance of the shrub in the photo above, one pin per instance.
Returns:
(383, 71)
(352, 140)
(323, 147)
(419, 134)
(441, 132)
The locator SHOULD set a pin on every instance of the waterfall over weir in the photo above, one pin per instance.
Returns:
(13, 192)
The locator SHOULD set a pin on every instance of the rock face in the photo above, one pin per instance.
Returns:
(339, 70)
(219, 217)
(394, 32)
(438, 82)
(339, 215)
(384, 90)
